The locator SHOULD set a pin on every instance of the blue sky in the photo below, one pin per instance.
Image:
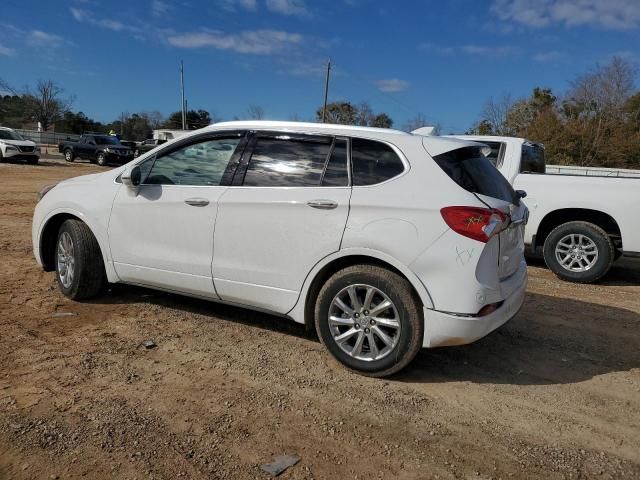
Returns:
(442, 59)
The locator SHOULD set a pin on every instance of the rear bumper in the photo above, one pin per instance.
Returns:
(447, 329)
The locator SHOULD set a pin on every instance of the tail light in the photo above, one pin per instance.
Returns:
(477, 223)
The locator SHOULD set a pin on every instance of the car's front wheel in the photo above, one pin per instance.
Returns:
(370, 320)
(101, 159)
(579, 252)
(68, 155)
(79, 266)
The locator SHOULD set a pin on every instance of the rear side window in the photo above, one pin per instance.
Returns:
(373, 162)
(532, 159)
(470, 169)
(287, 162)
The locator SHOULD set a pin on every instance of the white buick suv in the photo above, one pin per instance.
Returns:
(384, 241)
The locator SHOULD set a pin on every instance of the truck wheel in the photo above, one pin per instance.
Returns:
(136, 153)
(369, 320)
(79, 266)
(579, 252)
(68, 155)
(101, 159)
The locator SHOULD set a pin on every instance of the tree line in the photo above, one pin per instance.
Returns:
(596, 122)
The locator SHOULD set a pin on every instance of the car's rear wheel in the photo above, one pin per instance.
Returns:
(79, 266)
(370, 320)
(101, 159)
(579, 252)
(68, 155)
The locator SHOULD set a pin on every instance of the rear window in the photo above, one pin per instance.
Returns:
(473, 171)
(532, 159)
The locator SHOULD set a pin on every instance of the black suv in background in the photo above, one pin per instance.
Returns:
(100, 149)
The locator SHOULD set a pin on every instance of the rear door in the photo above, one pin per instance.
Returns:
(286, 210)
(471, 168)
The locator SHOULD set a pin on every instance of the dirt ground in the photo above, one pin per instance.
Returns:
(555, 393)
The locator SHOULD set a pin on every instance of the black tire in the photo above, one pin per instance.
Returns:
(603, 244)
(136, 153)
(1, 157)
(101, 159)
(408, 307)
(88, 277)
(33, 161)
(68, 155)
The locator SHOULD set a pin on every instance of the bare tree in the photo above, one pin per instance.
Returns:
(495, 112)
(255, 112)
(419, 121)
(595, 104)
(46, 104)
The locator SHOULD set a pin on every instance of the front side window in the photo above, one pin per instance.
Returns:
(202, 163)
(373, 162)
(284, 161)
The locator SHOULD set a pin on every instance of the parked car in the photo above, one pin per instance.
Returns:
(14, 146)
(580, 222)
(383, 241)
(148, 145)
(100, 149)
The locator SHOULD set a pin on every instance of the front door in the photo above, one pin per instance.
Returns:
(161, 233)
(286, 211)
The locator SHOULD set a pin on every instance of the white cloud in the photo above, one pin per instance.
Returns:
(473, 50)
(609, 14)
(38, 38)
(487, 51)
(108, 23)
(287, 7)
(548, 57)
(258, 42)
(392, 85)
(233, 5)
(159, 8)
(6, 51)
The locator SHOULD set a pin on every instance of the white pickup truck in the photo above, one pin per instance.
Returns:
(580, 223)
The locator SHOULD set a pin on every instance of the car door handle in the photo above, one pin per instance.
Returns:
(323, 204)
(197, 202)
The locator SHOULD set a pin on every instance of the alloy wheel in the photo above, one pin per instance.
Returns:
(576, 252)
(364, 322)
(66, 259)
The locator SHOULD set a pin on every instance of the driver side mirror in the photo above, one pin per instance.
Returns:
(132, 178)
(521, 194)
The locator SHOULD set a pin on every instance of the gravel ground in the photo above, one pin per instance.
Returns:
(553, 394)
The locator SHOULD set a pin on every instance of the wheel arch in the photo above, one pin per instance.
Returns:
(303, 311)
(49, 235)
(558, 217)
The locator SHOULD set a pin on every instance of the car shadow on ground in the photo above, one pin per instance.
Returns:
(551, 341)
(624, 271)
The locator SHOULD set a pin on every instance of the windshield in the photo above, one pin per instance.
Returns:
(107, 141)
(10, 135)
(474, 172)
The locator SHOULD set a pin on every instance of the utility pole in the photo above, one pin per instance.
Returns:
(182, 104)
(326, 91)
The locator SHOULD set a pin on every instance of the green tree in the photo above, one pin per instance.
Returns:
(195, 119)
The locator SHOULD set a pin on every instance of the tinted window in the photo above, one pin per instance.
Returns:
(532, 160)
(287, 162)
(202, 163)
(107, 140)
(335, 174)
(475, 173)
(373, 162)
